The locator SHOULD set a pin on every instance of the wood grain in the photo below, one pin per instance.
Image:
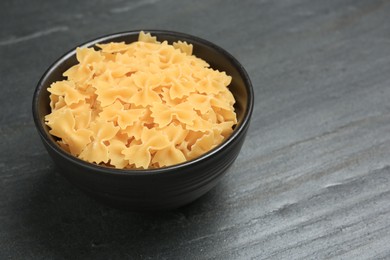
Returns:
(312, 180)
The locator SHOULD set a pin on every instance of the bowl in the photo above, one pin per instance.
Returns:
(150, 189)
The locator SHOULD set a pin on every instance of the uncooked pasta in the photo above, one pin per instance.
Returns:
(146, 104)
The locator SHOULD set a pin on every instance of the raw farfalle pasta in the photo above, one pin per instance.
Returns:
(146, 104)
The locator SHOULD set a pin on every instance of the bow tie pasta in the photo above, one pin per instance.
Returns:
(146, 104)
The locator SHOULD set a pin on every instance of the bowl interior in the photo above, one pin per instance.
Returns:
(217, 58)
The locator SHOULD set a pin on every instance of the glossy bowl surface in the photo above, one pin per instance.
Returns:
(154, 189)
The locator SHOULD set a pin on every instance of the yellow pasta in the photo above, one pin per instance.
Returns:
(146, 104)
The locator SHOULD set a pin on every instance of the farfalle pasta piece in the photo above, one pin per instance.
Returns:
(66, 89)
(121, 116)
(117, 158)
(176, 133)
(192, 137)
(224, 115)
(166, 98)
(200, 124)
(88, 56)
(140, 105)
(200, 102)
(183, 47)
(226, 96)
(56, 102)
(220, 103)
(82, 114)
(209, 85)
(180, 83)
(147, 37)
(172, 154)
(83, 71)
(97, 151)
(181, 89)
(108, 93)
(205, 143)
(113, 47)
(169, 156)
(139, 154)
(116, 69)
(202, 145)
(131, 63)
(62, 125)
(164, 114)
(146, 83)
(225, 128)
(134, 131)
(170, 56)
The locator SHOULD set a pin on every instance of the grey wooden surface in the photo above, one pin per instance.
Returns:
(312, 180)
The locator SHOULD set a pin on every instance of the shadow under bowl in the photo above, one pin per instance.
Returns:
(150, 189)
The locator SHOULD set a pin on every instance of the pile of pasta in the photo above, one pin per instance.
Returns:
(146, 104)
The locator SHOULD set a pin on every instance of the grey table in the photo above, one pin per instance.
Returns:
(313, 177)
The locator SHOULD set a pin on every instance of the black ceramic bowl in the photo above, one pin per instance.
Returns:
(154, 189)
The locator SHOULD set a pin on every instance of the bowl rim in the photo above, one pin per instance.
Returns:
(145, 172)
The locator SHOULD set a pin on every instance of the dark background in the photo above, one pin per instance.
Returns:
(313, 177)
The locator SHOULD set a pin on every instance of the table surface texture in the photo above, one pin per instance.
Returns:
(312, 179)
